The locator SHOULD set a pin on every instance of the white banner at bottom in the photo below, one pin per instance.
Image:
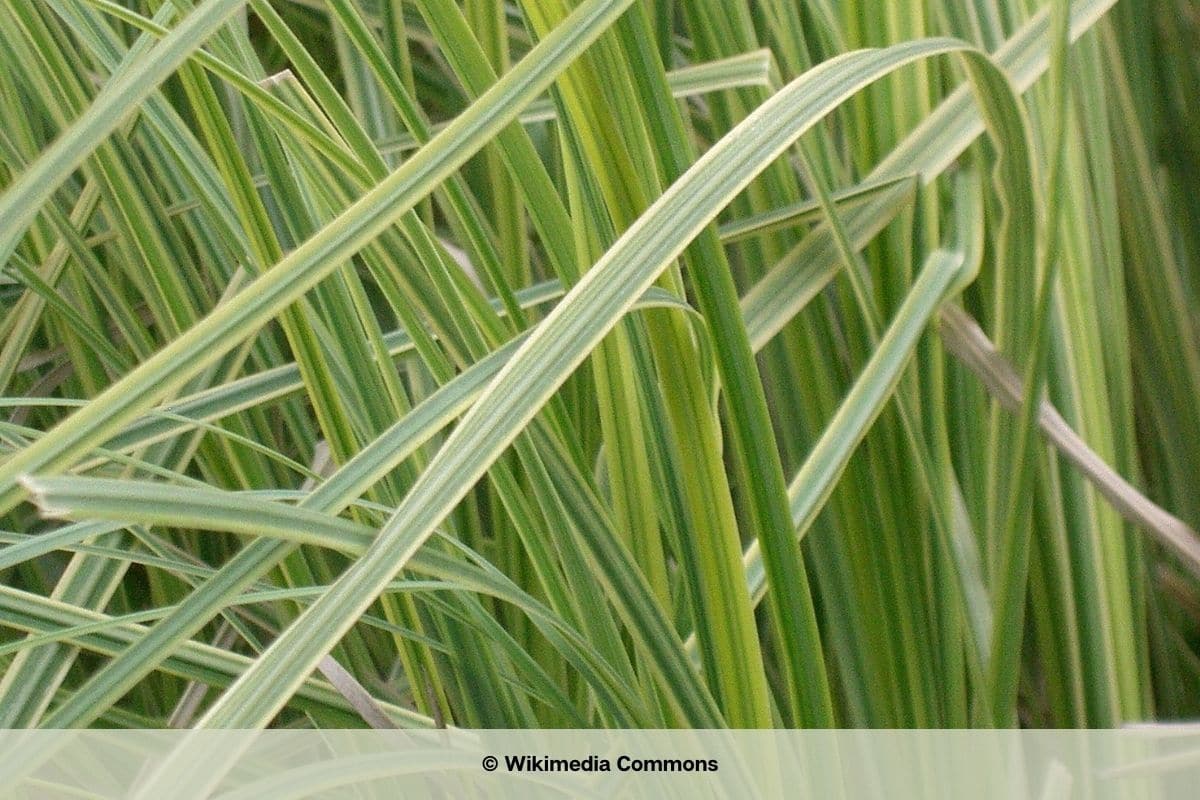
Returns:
(1151, 763)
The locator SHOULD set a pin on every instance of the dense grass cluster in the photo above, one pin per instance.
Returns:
(631, 363)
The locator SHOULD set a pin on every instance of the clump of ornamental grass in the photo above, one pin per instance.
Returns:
(600, 363)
